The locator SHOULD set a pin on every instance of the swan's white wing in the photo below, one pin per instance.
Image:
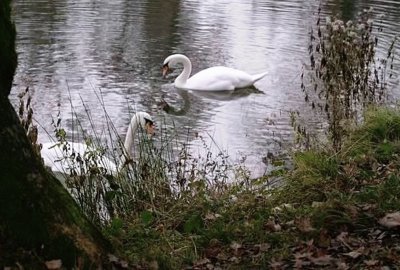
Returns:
(57, 159)
(54, 156)
(219, 78)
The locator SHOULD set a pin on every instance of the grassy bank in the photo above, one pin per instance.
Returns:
(332, 212)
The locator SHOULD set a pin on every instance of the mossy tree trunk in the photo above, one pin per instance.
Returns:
(39, 220)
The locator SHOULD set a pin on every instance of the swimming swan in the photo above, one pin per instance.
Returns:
(217, 78)
(53, 156)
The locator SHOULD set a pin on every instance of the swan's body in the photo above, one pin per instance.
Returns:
(57, 158)
(217, 78)
(63, 161)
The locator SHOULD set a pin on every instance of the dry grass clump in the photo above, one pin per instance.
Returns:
(345, 74)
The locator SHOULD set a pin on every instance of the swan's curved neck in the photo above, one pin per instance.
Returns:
(129, 139)
(187, 69)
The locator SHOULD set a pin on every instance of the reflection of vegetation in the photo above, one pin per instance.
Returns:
(346, 76)
(174, 111)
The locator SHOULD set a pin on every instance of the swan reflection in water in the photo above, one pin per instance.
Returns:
(188, 95)
(218, 83)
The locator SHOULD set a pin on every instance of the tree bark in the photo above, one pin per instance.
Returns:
(39, 220)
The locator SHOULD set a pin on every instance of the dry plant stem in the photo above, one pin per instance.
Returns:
(346, 76)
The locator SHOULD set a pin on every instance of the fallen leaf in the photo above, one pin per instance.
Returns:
(322, 260)
(342, 266)
(237, 249)
(299, 263)
(353, 254)
(210, 216)
(112, 258)
(304, 225)
(212, 252)
(263, 247)
(371, 262)
(317, 204)
(276, 265)
(209, 266)
(342, 237)
(367, 207)
(153, 265)
(235, 246)
(272, 226)
(53, 264)
(124, 264)
(203, 261)
(222, 256)
(234, 259)
(391, 220)
(324, 238)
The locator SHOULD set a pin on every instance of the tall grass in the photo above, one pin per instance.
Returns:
(163, 169)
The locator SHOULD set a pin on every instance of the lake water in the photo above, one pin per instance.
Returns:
(71, 52)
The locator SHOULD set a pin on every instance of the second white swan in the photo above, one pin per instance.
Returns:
(54, 155)
(218, 78)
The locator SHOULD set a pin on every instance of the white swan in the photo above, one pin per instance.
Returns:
(217, 78)
(54, 157)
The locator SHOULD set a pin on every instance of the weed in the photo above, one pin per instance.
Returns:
(345, 76)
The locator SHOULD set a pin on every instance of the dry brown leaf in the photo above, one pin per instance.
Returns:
(391, 220)
(124, 264)
(300, 256)
(299, 263)
(324, 238)
(353, 210)
(263, 247)
(350, 169)
(112, 258)
(317, 204)
(342, 266)
(222, 256)
(276, 265)
(353, 254)
(371, 262)
(209, 266)
(272, 226)
(368, 206)
(203, 261)
(322, 260)
(342, 237)
(234, 259)
(153, 265)
(304, 224)
(54, 264)
(212, 252)
(235, 246)
(210, 216)
(237, 249)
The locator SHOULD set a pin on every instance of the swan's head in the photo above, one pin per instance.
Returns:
(145, 121)
(168, 62)
(171, 62)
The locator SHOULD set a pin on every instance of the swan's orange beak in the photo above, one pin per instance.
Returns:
(165, 70)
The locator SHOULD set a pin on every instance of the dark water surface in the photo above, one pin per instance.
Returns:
(72, 51)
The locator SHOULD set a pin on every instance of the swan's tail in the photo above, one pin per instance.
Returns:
(257, 77)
